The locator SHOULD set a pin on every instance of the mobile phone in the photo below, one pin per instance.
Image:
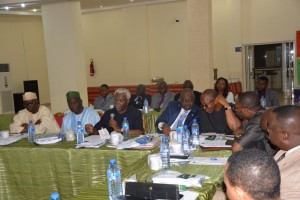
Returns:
(212, 137)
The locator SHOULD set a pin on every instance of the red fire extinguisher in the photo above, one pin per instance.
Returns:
(92, 70)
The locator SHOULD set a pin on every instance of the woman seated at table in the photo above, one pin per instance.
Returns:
(222, 88)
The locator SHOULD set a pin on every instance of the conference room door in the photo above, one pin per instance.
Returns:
(275, 61)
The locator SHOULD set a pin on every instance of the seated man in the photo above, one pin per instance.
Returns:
(185, 110)
(189, 84)
(216, 114)
(137, 100)
(78, 113)
(283, 126)
(161, 100)
(40, 115)
(252, 174)
(106, 99)
(248, 108)
(113, 118)
(271, 96)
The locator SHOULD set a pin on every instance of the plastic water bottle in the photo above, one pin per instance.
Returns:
(125, 129)
(146, 106)
(186, 140)
(79, 133)
(31, 132)
(195, 133)
(179, 130)
(263, 102)
(114, 180)
(165, 153)
(55, 196)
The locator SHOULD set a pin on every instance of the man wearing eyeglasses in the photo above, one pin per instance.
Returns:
(249, 109)
(183, 112)
(40, 115)
(216, 114)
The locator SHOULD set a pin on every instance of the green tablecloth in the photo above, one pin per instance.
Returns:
(149, 120)
(143, 173)
(29, 171)
(5, 120)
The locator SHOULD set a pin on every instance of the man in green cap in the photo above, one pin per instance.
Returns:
(78, 113)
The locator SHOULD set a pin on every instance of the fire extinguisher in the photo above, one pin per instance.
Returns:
(92, 70)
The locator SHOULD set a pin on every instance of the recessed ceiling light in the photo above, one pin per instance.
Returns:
(131, 0)
(34, 10)
(101, 6)
(6, 8)
(23, 5)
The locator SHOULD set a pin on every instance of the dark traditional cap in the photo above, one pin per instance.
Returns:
(72, 94)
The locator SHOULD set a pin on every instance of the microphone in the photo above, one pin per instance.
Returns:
(112, 115)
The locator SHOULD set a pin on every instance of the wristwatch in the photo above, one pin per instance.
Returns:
(228, 107)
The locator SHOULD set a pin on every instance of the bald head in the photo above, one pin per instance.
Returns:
(210, 93)
(288, 118)
(249, 100)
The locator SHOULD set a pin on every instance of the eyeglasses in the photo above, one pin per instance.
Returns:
(206, 105)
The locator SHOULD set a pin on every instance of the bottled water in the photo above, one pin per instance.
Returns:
(263, 102)
(55, 196)
(165, 153)
(186, 139)
(31, 132)
(146, 106)
(125, 129)
(114, 180)
(79, 133)
(195, 133)
(179, 130)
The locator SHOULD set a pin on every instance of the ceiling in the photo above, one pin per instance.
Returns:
(33, 7)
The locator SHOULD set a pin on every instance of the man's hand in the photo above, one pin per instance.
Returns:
(221, 100)
(38, 122)
(113, 123)
(25, 126)
(90, 129)
(166, 130)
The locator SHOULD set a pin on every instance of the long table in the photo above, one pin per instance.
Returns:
(143, 173)
(30, 171)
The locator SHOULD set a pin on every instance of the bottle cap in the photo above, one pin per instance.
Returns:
(112, 161)
(55, 195)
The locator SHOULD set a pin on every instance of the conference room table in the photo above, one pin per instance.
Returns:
(143, 174)
(31, 171)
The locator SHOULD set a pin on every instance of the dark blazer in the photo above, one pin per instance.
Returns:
(271, 97)
(138, 101)
(170, 114)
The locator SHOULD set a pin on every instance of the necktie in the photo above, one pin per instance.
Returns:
(182, 117)
(280, 158)
(161, 101)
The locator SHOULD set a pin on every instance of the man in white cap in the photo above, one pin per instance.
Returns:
(40, 115)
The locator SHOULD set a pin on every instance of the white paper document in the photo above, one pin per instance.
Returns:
(208, 161)
(12, 139)
(93, 141)
(214, 143)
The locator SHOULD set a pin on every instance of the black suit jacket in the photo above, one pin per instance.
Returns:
(170, 114)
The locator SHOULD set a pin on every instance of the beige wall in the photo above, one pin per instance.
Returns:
(240, 22)
(148, 41)
(132, 45)
(22, 46)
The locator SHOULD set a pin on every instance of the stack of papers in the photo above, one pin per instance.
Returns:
(132, 144)
(171, 177)
(214, 143)
(12, 139)
(208, 161)
(93, 141)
